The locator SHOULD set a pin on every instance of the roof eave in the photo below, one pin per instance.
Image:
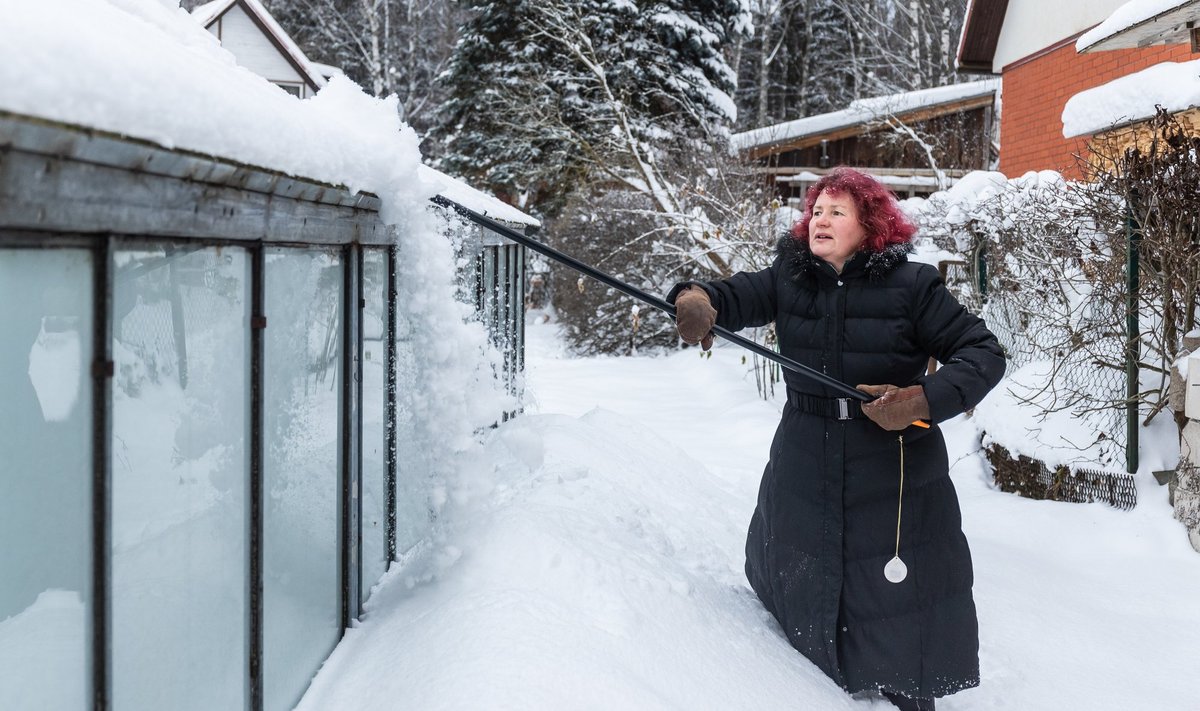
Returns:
(981, 32)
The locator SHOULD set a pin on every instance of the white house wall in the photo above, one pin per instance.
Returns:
(253, 49)
(1032, 25)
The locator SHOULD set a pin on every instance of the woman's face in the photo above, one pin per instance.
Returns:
(834, 233)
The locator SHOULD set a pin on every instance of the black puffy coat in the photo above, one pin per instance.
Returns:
(825, 524)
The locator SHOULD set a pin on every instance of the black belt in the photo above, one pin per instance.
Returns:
(835, 408)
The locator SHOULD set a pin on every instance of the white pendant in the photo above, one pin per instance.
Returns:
(895, 571)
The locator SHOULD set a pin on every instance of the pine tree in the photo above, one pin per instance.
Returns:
(546, 96)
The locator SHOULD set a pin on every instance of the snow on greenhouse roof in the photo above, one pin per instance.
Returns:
(1173, 85)
(477, 200)
(1139, 23)
(863, 111)
(147, 70)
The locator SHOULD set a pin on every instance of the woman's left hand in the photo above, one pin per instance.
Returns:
(895, 408)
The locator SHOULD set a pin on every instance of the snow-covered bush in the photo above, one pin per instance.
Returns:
(1053, 293)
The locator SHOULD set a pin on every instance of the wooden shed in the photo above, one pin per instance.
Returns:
(916, 142)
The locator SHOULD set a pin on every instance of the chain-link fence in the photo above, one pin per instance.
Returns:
(1077, 340)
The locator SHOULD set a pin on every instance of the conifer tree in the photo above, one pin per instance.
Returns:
(546, 96)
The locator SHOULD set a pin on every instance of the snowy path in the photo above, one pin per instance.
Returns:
(594, 558)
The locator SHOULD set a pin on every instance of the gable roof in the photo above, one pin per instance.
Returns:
(854, 120)
(980, 35)
(210, 12)
(1141, 23)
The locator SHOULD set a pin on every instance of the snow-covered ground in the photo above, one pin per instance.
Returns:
(593, 561)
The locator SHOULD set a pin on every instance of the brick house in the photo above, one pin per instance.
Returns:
(1032, 46)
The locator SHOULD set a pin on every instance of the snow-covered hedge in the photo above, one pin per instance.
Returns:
(1054, 291)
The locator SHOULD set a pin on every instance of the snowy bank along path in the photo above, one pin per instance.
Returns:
(593, 557)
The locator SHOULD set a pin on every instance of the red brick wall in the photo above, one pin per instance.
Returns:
(1036, 90)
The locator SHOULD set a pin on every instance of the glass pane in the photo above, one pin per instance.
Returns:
(374, 507)
(45, 477)
(301, 574)
(180, 478)
(412, 462)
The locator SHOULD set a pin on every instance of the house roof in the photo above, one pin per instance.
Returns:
(856, 119)
(1141, 23)
(980, 35)
(210, 12)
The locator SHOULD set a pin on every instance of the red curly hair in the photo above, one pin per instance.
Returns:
(878, 212)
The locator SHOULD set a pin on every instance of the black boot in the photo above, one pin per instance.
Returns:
(905, 703)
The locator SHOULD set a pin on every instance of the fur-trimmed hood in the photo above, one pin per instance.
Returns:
(802, 265)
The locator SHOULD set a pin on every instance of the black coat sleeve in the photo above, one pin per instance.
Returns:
(744, 300)
(971, 357)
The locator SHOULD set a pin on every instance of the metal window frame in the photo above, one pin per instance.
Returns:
(390, 442)
(102, 374)
(350, 544)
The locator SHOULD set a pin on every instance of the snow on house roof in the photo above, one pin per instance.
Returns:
(327, 70)
(1138, 23)
(1173, 85)
(863, 111)
(210, 12)
(181, 90)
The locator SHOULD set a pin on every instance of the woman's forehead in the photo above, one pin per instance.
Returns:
(834, 199)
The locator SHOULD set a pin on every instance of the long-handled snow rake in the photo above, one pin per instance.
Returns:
(652, 300)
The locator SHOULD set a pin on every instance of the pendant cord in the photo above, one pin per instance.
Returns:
(900, 499)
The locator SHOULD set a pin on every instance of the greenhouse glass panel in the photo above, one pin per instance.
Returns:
(301, 487)
(45, 477)
(374, 504)
(180, 478)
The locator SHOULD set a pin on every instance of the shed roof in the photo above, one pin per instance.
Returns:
(856, 119)
(1134, 97)
(1142, 23)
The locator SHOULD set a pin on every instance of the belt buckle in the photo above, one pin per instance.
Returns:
(843, 407)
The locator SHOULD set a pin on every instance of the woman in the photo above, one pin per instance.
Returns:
(833, 508)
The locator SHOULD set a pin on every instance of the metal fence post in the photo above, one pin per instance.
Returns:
(981, 272)
(1132, 352)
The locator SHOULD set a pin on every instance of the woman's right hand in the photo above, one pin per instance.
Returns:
(695, 317)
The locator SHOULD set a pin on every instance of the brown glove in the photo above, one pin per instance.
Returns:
(695, 317)
(895, 408)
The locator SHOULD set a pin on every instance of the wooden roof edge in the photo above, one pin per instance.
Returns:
(980, 35)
